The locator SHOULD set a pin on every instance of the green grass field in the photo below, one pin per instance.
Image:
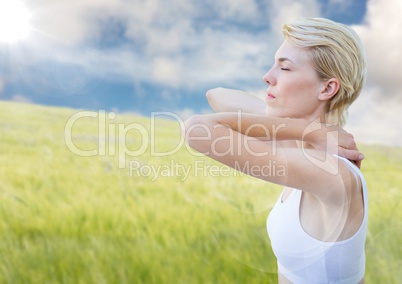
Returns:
(66, 218)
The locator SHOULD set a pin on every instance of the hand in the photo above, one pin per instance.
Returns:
(333, 139)
(347, 148)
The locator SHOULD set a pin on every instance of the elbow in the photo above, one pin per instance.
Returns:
(212, 96)
(212, 93)
(209, 95)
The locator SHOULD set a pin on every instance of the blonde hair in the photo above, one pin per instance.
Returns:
(336, 52)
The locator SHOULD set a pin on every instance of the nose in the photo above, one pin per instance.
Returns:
(269, 77)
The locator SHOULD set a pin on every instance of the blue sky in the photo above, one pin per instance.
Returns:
(140, 56)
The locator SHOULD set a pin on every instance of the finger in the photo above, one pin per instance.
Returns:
(348, 142)
(346, 139)
(350, 154)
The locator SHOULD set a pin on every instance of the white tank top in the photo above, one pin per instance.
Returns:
(305, 260)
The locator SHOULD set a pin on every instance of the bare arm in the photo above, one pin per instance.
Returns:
(332, 139)
(233, 143)
(230, 100)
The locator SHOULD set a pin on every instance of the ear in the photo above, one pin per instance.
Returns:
(330, 89)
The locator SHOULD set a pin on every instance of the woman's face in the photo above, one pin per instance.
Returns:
(294, 85)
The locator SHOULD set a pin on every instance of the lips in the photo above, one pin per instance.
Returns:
(270, 96)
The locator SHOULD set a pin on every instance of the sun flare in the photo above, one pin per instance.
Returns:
(14, 21)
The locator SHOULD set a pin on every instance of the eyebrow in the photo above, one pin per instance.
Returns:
(282, 59)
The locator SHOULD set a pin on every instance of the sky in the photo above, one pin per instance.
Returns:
(140, 56)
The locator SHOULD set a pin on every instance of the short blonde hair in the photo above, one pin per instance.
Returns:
(336, 52)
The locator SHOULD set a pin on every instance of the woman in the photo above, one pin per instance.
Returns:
(318, 225)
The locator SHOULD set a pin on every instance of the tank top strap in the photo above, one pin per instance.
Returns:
(355, 169)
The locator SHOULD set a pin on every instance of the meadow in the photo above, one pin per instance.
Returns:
(74, 208)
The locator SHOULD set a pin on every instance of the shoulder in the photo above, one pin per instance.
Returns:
(353, 177)
(326, 176)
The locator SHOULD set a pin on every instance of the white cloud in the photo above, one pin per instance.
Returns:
(159, 27)
(375, 116)
(59, 20)
(21, 99)
(382, 39)
(170, 44)
(229, 58)
(239, 9)
(340, 4)
(285, 11)
(167, 45)
(166, 71)
(375, 122)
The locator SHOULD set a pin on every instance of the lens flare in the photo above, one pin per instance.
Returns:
(14, 21)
